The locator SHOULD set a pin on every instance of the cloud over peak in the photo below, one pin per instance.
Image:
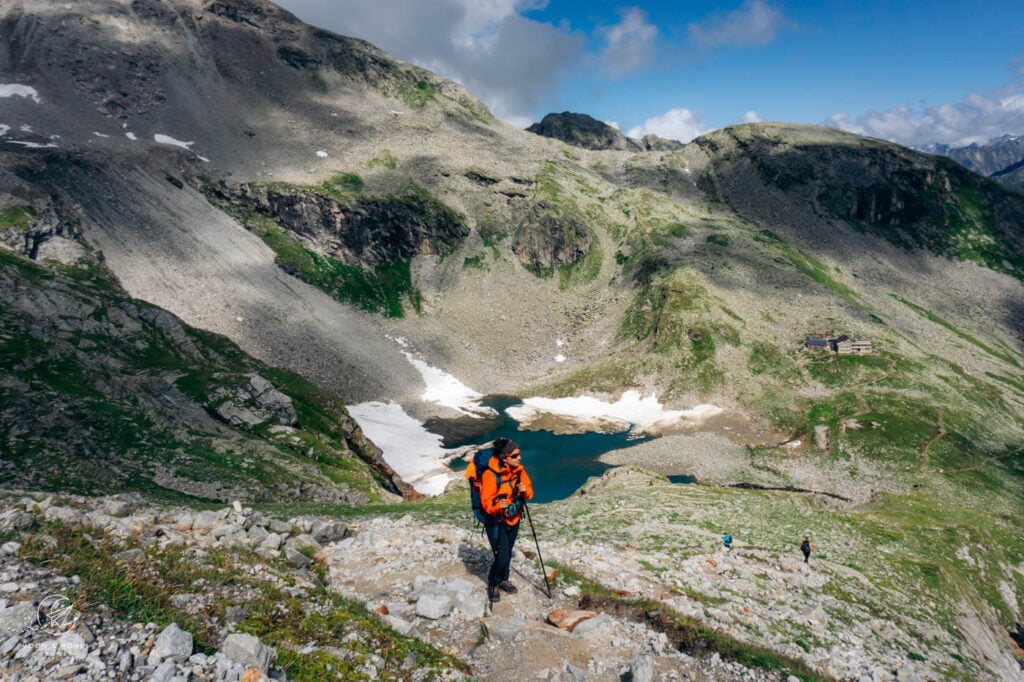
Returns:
(755, 23)
(630, 44)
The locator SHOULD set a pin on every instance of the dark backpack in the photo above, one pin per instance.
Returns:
(481, 460)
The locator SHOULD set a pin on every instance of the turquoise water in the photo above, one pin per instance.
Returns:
(557, 464)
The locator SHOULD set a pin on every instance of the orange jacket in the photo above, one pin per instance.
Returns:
(493, 491)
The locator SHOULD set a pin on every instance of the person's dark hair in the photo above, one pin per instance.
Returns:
(507, 448)
(499, 445)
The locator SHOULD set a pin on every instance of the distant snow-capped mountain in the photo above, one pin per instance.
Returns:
(1001, 158)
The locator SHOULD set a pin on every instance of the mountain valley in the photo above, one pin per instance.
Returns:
(221, 228)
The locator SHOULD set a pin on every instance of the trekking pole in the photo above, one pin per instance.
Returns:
(544, 573)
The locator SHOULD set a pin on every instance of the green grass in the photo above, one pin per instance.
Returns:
(479, 261)
(386, 159)
(769, 359)
(17, 217)
(718, 240)
(417, 95)
(583, 270)
(385, 289)
(342, 186)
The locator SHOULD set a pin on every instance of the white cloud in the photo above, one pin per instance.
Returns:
(976, 119)
(675, 124)
(755, 23)
(751, 117)
(630, 44)
(505, 59)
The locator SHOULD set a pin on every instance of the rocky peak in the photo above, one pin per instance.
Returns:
(581, 130)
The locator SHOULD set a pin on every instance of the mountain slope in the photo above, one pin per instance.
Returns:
(327, 208)
(103, 394)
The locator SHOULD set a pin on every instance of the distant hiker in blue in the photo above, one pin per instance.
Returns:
(806, 547)
(727, 540)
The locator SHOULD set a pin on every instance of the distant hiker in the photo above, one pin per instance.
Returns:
(806, 547)
(727, 540)
(504, 487)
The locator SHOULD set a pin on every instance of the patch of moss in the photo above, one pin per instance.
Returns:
(342, 186)
(386, 159)
(585, 269)
(718, 239)
(479, 261)
(418, 94)
(16, 216)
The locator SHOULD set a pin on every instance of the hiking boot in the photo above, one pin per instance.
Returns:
(508, 587)
(493, 594)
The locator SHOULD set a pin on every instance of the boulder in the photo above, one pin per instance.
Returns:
(173, 643)
(248, 651)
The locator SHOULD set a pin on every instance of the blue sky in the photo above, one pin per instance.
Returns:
(913, 72)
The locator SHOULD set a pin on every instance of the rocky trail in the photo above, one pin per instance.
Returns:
(426, 579)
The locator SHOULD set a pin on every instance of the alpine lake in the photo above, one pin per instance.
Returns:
(558, 463)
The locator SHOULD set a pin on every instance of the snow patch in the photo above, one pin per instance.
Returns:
(321, 153)
(444, 389)
(413, 452)
(31, 145)
(16, 90)
(167, 139)
(643, 414)
(131, 136)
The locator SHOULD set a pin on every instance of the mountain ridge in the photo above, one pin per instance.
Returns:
(694, 274)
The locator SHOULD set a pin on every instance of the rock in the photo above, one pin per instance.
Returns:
(395, 623)
(434, 606)
(254, 675)
(165, 672)
(248, 651)
(173, 643)
(272, 400)
(643, 669)
(272, 541)
(583, 628)
(568, 620)
(328, 531)
(296, 558)
(17, 619)
(73, 644)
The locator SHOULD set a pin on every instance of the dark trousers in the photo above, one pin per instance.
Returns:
(491, 531)
(506, 540)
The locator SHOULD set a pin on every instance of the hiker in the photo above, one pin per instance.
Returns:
(727, 540)
(478, 464)
(503, 491)
(806, 547)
